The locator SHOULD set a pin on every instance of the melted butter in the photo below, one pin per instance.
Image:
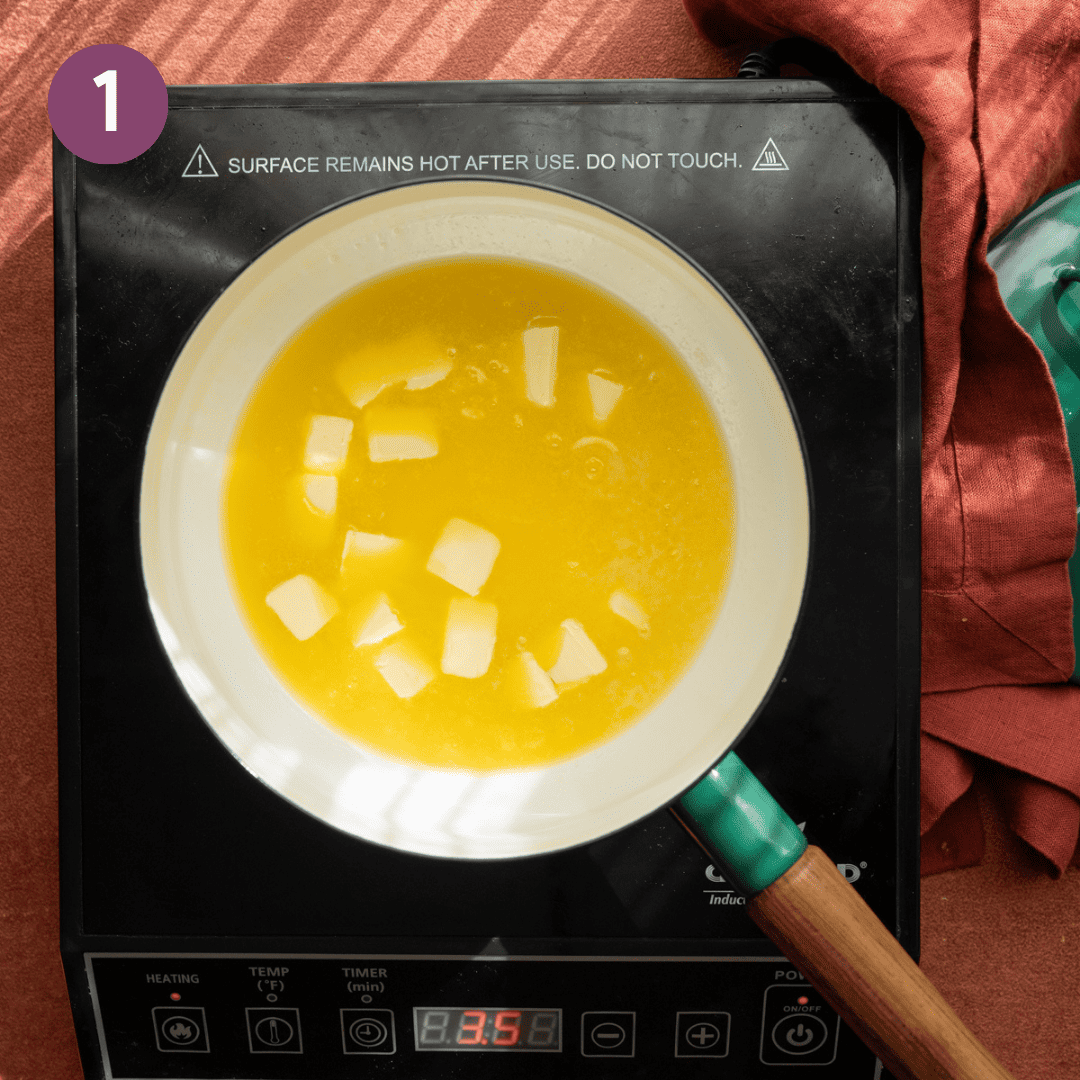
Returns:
(639, 504)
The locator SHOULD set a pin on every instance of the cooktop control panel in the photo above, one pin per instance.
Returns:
(339, 1016)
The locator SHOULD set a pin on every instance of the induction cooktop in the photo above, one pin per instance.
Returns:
(212, 929)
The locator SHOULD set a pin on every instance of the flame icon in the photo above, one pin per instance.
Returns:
(177, 1030)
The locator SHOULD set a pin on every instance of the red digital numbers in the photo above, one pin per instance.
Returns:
(488, 1029)
(473, 1022)
(475, 1027)
(508, 1023)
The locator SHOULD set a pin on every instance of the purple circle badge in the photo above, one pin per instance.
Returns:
(108, 103)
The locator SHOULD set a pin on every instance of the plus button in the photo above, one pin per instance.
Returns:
(703, 1035)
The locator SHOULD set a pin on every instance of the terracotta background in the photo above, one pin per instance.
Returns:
(999, 939)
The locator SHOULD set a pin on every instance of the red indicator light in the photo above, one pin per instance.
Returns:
(804, 1001)
(174, 996)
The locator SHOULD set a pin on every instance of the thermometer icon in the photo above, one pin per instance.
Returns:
(274, 1032)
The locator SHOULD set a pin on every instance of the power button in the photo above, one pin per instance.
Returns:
(797, 1027)
(798, 1035)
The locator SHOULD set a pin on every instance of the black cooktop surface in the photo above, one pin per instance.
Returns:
(793, 211)
(796, 197)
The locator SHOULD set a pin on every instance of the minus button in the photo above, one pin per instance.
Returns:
(607, 1034)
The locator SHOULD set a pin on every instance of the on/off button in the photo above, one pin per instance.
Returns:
(798, 1035)
(797, 1027)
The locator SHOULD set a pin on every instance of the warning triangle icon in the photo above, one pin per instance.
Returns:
(770, 160)
(200, 164)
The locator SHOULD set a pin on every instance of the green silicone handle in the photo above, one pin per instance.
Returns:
(742, 825)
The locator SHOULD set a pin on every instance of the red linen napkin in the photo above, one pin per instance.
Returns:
(993, 88)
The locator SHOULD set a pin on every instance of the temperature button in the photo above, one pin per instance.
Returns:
(607, 1034)
(274, 1031)
(797, 1027)
(367, 1031)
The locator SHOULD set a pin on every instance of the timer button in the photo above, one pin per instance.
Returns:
(368, 1031)
(607, 1034)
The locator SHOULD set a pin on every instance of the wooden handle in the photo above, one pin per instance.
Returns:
(826, 929)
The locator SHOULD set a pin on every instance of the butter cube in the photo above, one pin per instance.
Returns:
(404, 669)
(376, 622)
(327, 443)
(464, 555)
(303, 605)
(428, 373)
(470, 638)
(367, 545)
(400, 434)
(578, 658)
(541, 344)
(321, 492)
(415, 360)
(604, 394)
(529, 682)
(626, 607)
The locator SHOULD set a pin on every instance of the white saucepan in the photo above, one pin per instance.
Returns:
(306, 760)
(805, 905)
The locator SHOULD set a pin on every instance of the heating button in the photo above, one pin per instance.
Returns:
(180, 1030)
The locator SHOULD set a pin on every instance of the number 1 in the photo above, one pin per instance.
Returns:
(108, 80)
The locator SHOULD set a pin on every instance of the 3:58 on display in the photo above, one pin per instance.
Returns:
(487, 1029)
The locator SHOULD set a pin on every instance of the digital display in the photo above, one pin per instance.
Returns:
(487, 1029)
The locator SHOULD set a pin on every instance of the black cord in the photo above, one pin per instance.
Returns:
(765, 63)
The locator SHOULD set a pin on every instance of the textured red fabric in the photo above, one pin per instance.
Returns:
(999, 927)
(1001, 940)
(993, 88)
(956, 839)
(1031, 729)
(947, 776)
